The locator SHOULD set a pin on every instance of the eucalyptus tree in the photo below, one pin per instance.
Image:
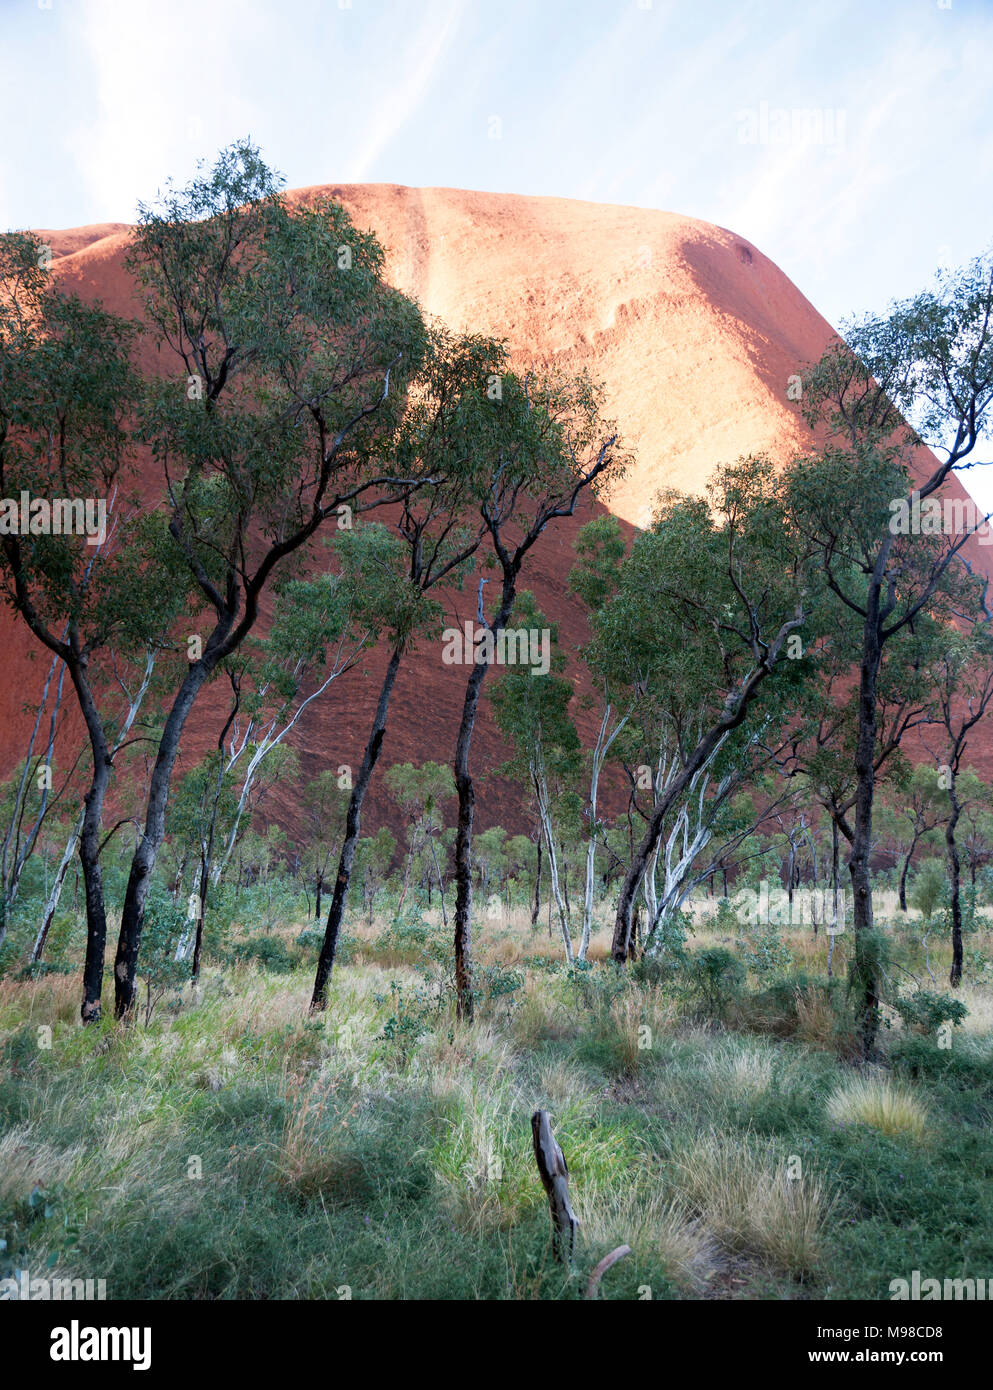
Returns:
(325, 801)
(493, 864)
(321, 628)
(98, 602)
(646, 726)
(135, 692)
(202, 804)
(913, 808)
(595, 576)
(820, 750)
(706, 603)
(532, 712)
(963, 676)
(543, 445)
(976, 799)
(921, 373)
(371, 866)
(437, 537)
(289, 359)
(420, 794)
(22, 813)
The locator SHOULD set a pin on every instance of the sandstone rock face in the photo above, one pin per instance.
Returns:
(693, 332)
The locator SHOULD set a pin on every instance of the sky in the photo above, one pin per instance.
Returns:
(850, 140)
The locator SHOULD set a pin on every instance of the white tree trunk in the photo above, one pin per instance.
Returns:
(600, 751)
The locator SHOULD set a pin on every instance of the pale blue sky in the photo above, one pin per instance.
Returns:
(647, 102)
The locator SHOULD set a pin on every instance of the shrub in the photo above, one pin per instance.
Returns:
(928, 888)
(713, 978)
(764, 952)
(37, 970)
(925, 1012)
(269, 952)
(407, 1023)
(726, 919)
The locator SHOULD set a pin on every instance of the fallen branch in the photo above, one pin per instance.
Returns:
(593, 1283)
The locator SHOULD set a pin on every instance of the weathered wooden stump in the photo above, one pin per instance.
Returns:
(555, 1179)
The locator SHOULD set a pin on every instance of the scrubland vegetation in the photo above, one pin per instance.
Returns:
(230, 1146)
(735, 936)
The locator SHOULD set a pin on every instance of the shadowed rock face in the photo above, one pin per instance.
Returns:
(692, 330)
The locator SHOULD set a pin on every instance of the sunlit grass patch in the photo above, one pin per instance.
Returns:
(881, 1103)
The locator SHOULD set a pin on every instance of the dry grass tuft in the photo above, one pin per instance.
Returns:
(880, 1103)
(749, 1200)
(744, 1072)
(655, 1228)
(27, 1162)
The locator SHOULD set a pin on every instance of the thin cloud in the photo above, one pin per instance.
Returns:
(420, 66)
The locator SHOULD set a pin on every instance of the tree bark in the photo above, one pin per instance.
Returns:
(143, 860)
(353, 822)
(554, 1173)
(835, 880)
(904, 871)
(541, 792)
(89, 853)
(52, 904)
(464, 1004)
(955, 876)
(858, 863)
(536, 907)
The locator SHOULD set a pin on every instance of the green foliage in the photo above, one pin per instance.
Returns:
(725, 918)
(166, 925)
(928, 887)
(925, 1011)
(269, 952)
(713, 979)
(764, 952)
(408, 1020)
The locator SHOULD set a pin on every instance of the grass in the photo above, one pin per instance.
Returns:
(885, 1105)
(235, 1149)
(756, 1201)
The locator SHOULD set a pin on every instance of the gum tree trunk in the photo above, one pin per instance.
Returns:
(955, 876)
(143, 860)
(464, 1005)
(89, 853)
(353, 821)
(858, 863)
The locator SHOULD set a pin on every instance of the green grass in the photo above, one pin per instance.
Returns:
(233, 1149)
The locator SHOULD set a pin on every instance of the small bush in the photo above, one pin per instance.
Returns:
(713, 979)
(269, 953)
(924, 1012)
